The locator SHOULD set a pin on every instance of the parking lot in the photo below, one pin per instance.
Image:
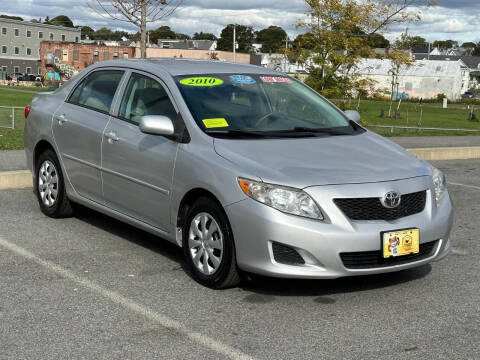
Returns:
(91, 287)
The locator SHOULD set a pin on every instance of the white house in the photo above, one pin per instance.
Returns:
(424, 79)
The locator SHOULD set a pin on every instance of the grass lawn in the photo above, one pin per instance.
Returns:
(27, 88)
(432, 115)
(455, 117)
(13, 138)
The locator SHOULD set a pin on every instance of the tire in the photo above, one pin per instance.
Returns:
(49, 186)
(219, 246)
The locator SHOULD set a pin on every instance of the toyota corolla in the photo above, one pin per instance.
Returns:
(245, 168)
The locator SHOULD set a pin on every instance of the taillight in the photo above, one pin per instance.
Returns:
(27, 110)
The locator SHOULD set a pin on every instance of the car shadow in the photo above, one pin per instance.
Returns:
(255, 284)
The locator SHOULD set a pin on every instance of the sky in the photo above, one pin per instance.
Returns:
(450, 19)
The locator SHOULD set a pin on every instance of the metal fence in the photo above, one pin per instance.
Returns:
(420, 128)
(8, 114)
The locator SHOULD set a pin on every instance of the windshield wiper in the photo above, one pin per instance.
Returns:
(259, 134)
(329, 131)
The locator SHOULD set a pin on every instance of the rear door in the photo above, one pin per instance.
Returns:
(78, 127)
(137, 168)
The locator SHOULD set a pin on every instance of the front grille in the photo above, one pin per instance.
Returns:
(375, 259)
(286, 255)
(372, 208)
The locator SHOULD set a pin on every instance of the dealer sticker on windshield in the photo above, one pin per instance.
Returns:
(215, 123)
(275, 79)
(242, 79)
(201, 81)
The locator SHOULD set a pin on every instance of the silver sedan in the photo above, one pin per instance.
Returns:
(246, 169)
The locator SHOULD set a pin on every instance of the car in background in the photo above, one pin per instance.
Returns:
(32, 77)
(468, 95)
(245, 168)
(18, 75)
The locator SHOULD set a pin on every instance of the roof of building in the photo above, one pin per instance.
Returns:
(187, 44)
(420, 50)
(471, 61)
(424, 68)
(29, 23)
(176, 66)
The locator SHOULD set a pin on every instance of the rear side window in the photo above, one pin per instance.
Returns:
(97, 90)
(145, 96)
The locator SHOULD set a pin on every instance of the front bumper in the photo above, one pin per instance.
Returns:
(255, 226)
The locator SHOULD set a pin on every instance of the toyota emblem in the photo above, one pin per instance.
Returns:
(391, 200)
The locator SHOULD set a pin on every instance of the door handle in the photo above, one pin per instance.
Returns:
(61, 119)
(112, 136)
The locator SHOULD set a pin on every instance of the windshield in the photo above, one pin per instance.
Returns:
(259, 105)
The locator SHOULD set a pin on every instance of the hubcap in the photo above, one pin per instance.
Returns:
(48, 183)
(205, 241)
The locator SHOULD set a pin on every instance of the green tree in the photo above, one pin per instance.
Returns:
(61, 20)
(476, 52)
(244, 36)
(272, 39)
(445, 44)
(469, 44)
(87, 31)
(339, 33)
(204, 36)
(4, 16)
(408, 42)
(47, 20)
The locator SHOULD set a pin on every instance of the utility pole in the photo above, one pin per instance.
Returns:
(286, 52)
(234, 45)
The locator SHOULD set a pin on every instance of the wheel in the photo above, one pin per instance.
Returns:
(208, 245)
(50, 187)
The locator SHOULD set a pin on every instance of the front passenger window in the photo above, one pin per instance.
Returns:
(97, 90)
(145, 96)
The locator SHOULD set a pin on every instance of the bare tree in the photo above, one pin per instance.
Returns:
(136, 12)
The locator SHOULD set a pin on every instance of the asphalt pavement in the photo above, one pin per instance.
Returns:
(90, 287)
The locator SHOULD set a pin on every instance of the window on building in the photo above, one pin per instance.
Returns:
(75, 55)
(4, 49)
(63, 37)
(115, 55)
(95, 56)
(16, 69)
(51, 36)
(28, 70)
(76, 39)
(29, 51)
(58, 53)
(29, 34)
(4, 68)
(4, 31)
(17, 50)
(125, 55)
(40, 34)
(17, 32)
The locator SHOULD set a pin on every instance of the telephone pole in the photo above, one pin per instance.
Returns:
(234, 45)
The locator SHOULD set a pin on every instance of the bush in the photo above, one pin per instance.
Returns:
(440, 97)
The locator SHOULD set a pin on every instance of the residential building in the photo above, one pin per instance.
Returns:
(472, 62)
(67, 58)
(20, 43)
(424, 79)
(209, 45)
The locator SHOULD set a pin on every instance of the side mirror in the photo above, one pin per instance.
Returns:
(353, 115)
(156, 125)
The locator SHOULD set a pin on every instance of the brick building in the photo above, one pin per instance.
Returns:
(68, 58)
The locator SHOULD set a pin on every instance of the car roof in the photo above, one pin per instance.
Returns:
(176, 66)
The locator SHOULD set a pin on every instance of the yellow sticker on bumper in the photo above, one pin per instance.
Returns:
(215, 123)
(201, 81)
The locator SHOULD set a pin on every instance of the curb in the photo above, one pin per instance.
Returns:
(19, 179)
(447, 153)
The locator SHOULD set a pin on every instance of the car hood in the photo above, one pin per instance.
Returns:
(304, 162)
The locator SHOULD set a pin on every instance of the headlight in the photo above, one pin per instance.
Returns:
(288, 200)
(439, 184)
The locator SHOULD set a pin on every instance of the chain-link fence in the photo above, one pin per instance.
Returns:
(10, 115)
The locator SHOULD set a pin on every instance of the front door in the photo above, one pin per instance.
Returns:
(78, 127)
(138, 168)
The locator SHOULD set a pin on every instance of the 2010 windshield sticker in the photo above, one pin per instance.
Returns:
(275, 79)
(242, 79)
(201, 81)
(215, 123)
